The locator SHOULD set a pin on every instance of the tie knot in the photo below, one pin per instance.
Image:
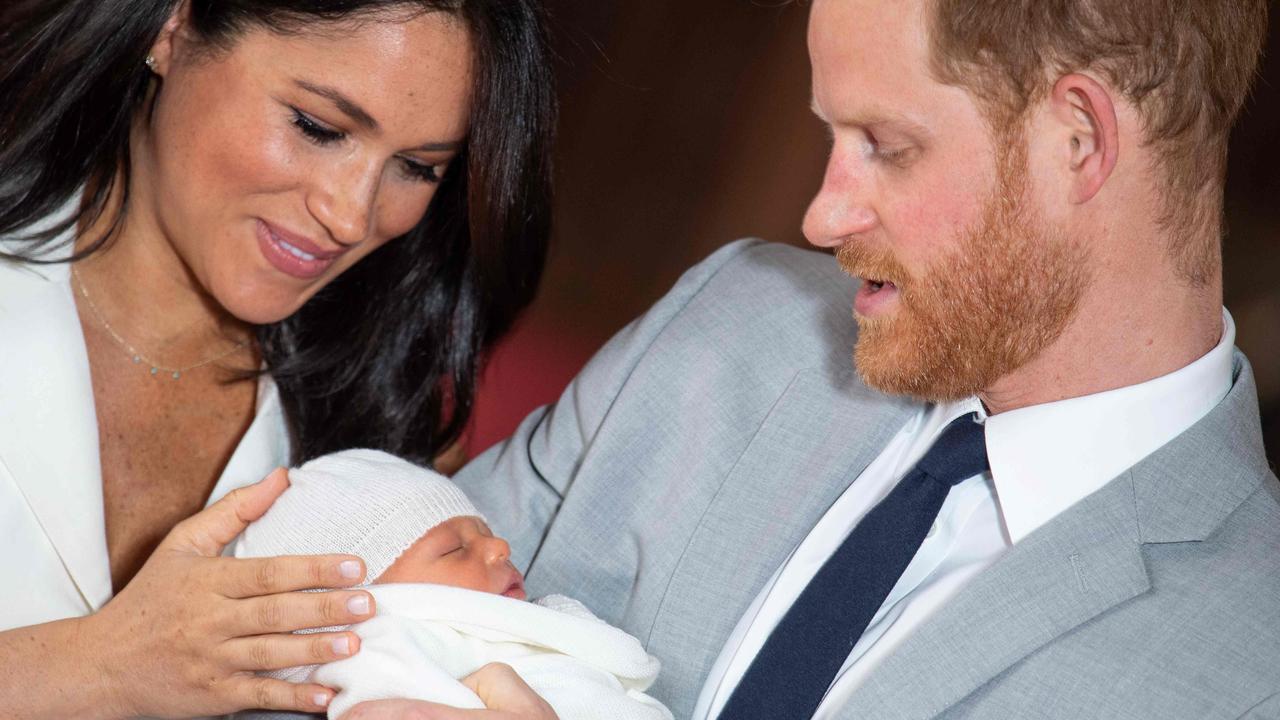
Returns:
(959, 453)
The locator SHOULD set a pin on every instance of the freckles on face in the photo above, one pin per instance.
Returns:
(333, 139)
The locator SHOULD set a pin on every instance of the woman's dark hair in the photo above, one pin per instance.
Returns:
(386, 356)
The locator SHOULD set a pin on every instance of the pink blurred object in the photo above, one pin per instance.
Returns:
(529, 368)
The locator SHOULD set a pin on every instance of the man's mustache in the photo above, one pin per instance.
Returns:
(869, 262)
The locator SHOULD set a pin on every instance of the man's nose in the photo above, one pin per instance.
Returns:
(842, 208)
(344, 200)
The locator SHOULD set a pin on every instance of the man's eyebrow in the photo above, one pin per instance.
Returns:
(871, 117)
(349, 107)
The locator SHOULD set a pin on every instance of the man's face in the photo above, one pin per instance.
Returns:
(964, 281)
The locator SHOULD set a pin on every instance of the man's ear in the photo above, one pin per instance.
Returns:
(171, 41)
(1084, 106)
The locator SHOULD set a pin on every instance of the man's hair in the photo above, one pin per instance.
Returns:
(1186, 65)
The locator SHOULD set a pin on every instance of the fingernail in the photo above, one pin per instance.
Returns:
(358, 604)
(342, 645)
(320, 699)
(350, 569)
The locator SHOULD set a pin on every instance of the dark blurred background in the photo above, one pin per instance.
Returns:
(686, 125)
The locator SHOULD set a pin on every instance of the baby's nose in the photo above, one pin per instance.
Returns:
(496, 550)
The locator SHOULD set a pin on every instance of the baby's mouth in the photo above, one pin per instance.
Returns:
(515, 589)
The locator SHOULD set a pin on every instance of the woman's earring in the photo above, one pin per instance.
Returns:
(151, 63)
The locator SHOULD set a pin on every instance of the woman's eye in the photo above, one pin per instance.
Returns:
(415, 170)
(317, 133)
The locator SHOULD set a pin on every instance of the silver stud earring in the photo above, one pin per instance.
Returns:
(151, 63)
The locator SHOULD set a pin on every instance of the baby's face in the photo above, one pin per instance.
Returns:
(461, 552)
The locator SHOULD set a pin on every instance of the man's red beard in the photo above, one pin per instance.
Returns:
(978, 313)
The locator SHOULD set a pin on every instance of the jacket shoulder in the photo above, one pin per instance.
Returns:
(772, 304)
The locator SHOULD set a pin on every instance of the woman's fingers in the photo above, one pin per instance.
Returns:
(249, 577)
(274, 652)
(296, 611)
(250, 691)
(210, 530)
(185, 634)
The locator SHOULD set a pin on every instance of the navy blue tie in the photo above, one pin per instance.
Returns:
(799, 661)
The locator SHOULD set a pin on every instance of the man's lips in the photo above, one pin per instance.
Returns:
(875, 296)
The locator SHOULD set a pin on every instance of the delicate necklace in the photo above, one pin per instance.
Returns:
(139, 358)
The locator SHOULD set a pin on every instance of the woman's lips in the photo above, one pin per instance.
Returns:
(292, 254)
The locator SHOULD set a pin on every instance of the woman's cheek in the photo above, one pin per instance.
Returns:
(266, 162)
(399, 209)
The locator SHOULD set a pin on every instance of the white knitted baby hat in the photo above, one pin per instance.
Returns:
(363, 502)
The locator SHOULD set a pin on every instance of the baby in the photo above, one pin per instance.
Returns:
(448, 598)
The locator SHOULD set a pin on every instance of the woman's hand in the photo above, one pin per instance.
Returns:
(186, 635)
(506, 696)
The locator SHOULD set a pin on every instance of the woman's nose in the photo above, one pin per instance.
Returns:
(841, 209)
(344, 201)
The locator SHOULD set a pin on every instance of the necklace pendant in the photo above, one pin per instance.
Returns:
(155, 370)
(137, 359)
(176, 374)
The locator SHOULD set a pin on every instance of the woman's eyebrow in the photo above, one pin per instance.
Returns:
(352, 109)
(349, 107)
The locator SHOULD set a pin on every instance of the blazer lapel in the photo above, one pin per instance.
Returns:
(816, 440)
(1080, 565)
(1076, 567)
(49, 431)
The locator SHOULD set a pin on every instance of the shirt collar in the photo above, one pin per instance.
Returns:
(1045, 458)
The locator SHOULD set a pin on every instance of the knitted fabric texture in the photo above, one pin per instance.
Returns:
(363, 502)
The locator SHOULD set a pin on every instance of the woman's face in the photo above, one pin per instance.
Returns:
(272, 167)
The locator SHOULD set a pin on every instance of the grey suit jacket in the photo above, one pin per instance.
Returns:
(705, 440)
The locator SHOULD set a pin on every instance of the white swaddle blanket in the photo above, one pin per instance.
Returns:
(424, 638)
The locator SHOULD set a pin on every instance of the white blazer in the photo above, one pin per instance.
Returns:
(52, 529)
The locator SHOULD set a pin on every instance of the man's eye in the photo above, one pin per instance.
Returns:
(317, 133)
(897, 156)
(893, 156)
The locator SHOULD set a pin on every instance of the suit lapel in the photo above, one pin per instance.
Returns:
(1076, 567)
(1083, 563)
(815, 441)
(48, 431)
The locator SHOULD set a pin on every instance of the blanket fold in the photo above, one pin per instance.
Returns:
(425, 638)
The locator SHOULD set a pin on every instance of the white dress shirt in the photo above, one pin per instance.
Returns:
(1043, 459)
